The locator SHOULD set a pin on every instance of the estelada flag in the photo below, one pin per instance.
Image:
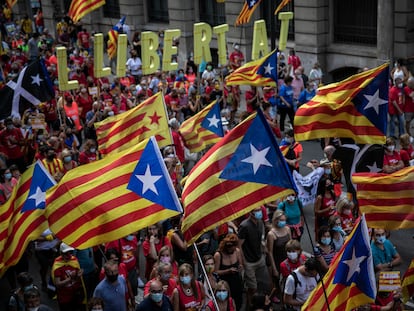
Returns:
(249, 6)
(408, 282)
(108, 199)
(79, 8)
(354, 108)
(244, 170)
(386, 199)
(350, 280)
(148, 119)
(203, 129)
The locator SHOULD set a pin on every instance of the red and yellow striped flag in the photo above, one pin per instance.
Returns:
(203, 129)
(128, 128)
(79, 8)
(113, 37)
(281, 5)
(387, 199)
(108, 199)
(356, 108)
(246, 12)
(11, 3)
(244, 170)
(408, 282)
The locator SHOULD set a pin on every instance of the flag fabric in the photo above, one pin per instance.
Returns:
(350, 280)
(307, 185)
(249, 6)
(261, 72)
(31, 86)
(408, 282)
(387, 199)
(113, 37)
(355, 108)
(11, 3)
(148, 119)
(79, 8)
(22, 216)
(281, 5)
(244, 170)
(203, 129)
(113, 197)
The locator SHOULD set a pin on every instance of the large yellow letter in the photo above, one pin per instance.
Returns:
(150, 59)
(284, 27)
(98, 62)
(121, 55)
(64, 84)
(260, 45)
(170, 49)
(220, 31)
(202, 39)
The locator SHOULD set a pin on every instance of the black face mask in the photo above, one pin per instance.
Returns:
(50, 156)
(330, 187)
(112, 278)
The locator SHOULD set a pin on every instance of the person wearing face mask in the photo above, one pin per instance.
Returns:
(152, 245)
(53, 165)
(294, 260)
(229, 264)
(165, 255)
(113, 289)
(384, 253)
(84, 101)
(89, 153)
(345, 210)
(252, 241)
(224, 301)
(164, 275)
(324, 250)
(16, 301)
(211, 277)
(276, 240)
(12, 140)
(208, 74)
(189, 293)
(156, 300)
(291, 207)
(68, 162)
(392, 159)
(407, 150)
(325, 202)
(291, 150)
(298, 86)
(337, 233)
(396, 106)
(32, 301)
(7, 184)
(307, 94)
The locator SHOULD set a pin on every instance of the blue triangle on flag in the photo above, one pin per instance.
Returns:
(372, 101)
(268, 69)
(212, 120)
(41, 181)
(150, 179)
(258, 158)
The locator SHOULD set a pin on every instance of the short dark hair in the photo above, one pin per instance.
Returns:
(311, 264)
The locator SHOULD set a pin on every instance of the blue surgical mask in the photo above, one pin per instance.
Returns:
(327, 171)
(281, 224)
(8, 175)
(337, 228)
(222, 295)
(185, 279)
(156, 297)
(129, 237)
(27, 287)
(381, 239)
(326, 241)
(258, 215)
(67, 159)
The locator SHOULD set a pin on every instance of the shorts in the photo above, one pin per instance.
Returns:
(255, 272)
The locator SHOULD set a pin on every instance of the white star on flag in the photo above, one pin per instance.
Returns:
(213, 121)
(39, 196)
(148, 181)
(374, 101)
(353, 264)
(257, 158)
(36, 79)
(268, 69)
(374, 168)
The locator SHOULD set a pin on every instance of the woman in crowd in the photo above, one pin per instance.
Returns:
(212, 277)
(229, 265)
(324, 250)
(224, 301)
(291, 207)
(164, 275)
(407, 150)
(189, 293)
(345, 210)
(325, 202)
(338, 235)
(165, 255)
(392, 159)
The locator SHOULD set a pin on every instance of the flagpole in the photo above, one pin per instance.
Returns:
(313, 247)
(206, 277)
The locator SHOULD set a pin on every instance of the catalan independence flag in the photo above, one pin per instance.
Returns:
(350, 280)
(22, 217)
(113, 37)
(203, 129)
(281, 5)
(11, 3)
(113, 197)
(408, 282)
(259, 72)
(249, 6)
(79, 8)
(244, 170)
(354, 108)
(128, 128)
(387, 199)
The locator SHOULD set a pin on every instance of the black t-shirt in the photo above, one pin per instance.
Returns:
(252, 236)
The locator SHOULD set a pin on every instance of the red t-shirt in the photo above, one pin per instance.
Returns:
(392, 159)
(149, 263)
(65, 294)
(87, 157)
(409, 104)
(11, 139)
(127, 249)
(394, 95)
(294, 61)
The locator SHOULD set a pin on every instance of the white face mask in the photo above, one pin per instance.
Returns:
(391, 148)
(292, 255)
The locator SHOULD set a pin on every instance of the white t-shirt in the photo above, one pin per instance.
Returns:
(304, 288)
(134, 66)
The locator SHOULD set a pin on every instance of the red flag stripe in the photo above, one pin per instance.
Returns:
(358, 130)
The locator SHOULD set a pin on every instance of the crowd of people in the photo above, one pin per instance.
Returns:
(256, 260)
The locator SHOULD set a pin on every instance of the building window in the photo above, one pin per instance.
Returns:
(212, 12)
(111, 9)
(268, 14)
(355, 21)
(158, 11)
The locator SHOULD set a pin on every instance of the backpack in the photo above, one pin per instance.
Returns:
(297, 282)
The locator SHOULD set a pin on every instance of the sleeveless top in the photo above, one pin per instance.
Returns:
(229, 305)
(189, 303)
(279, 251)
